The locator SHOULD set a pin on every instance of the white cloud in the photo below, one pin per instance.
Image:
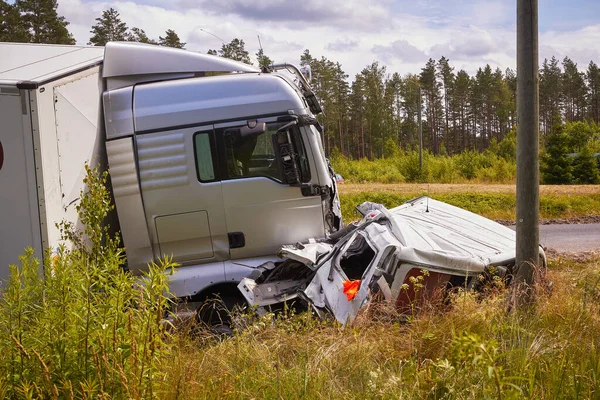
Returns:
(580, 45)
(351, 32)
(366, 15)
(399, 50)
(343, 44)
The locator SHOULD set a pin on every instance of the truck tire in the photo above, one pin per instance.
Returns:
(216, 312)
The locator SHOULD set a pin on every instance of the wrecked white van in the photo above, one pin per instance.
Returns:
(380, 253)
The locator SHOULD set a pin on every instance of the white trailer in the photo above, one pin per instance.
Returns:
(50, 114)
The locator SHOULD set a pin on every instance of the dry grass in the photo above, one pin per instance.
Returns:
(440, 188)
(471, 349)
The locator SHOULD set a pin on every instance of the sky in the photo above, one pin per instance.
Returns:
(400, 34)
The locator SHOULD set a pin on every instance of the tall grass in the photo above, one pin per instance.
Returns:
(472, 348)
(85, 328)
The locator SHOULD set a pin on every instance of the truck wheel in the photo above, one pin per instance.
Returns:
(216, 313)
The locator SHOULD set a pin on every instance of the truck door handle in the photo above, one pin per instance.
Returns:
(236, 240)
(309, 190)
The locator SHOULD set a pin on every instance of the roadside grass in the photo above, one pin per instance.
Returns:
(496, 204)
(88, 329)
(438, 188)
(471, 348)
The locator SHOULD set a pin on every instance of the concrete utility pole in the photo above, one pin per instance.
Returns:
(528, 192)
(420, 127)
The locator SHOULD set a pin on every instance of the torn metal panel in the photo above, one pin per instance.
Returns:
(384, 253)
(306, 254)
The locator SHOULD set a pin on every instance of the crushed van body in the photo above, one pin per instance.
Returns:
(378, 255)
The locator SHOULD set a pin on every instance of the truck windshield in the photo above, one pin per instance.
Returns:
(256, 156)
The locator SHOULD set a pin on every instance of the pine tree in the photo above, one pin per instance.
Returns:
(409, 109)
(510, 77)
(574, 90)
(171, 39)
(556, 166)
(432, 106)
(593, 81)
(550, 93)
(341, 91)
(139, 35)
(485, 98)
(446, 75)
(374, 77)
(235, 50)
(460, 105)
(585, 167)
(109, 28)
(503, 104)
(43, 23)
(12, 28)
(264, 62)
(357, 119)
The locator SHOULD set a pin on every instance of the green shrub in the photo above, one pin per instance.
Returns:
(443, 170)
(556, 167)
(400, 167)
(86, 328)
(585, 167)
(410, 167)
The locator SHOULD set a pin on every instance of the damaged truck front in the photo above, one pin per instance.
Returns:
(384, 254)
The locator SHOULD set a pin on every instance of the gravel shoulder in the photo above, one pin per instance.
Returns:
(589, 219)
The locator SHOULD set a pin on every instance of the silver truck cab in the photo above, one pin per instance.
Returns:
(217, 171)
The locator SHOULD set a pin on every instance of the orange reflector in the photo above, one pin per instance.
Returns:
(351, 288)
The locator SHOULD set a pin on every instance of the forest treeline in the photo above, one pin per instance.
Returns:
(570, 156)
(376, 111)
(459, 111)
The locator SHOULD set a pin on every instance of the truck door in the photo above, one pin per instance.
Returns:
(262, 212)
(182, 194)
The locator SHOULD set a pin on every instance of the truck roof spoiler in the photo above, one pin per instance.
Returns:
(131, 58)
(130, 62)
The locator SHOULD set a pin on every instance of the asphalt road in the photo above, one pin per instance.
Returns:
(570, 237)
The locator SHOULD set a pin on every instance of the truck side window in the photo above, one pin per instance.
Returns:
(256, 156)
(204, 160)
(252, 156)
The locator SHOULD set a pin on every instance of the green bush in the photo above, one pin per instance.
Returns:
(85, 328)
(408, 164)
(556, 167)
(585, 167)
(443, 170)
(402, 167)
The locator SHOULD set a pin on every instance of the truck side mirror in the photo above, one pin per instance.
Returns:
(287, 156)
(252, 129)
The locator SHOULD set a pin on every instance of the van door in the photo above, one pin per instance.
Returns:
(182, 194)
(262, 212)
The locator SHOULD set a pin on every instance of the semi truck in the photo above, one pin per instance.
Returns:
(213, 162)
